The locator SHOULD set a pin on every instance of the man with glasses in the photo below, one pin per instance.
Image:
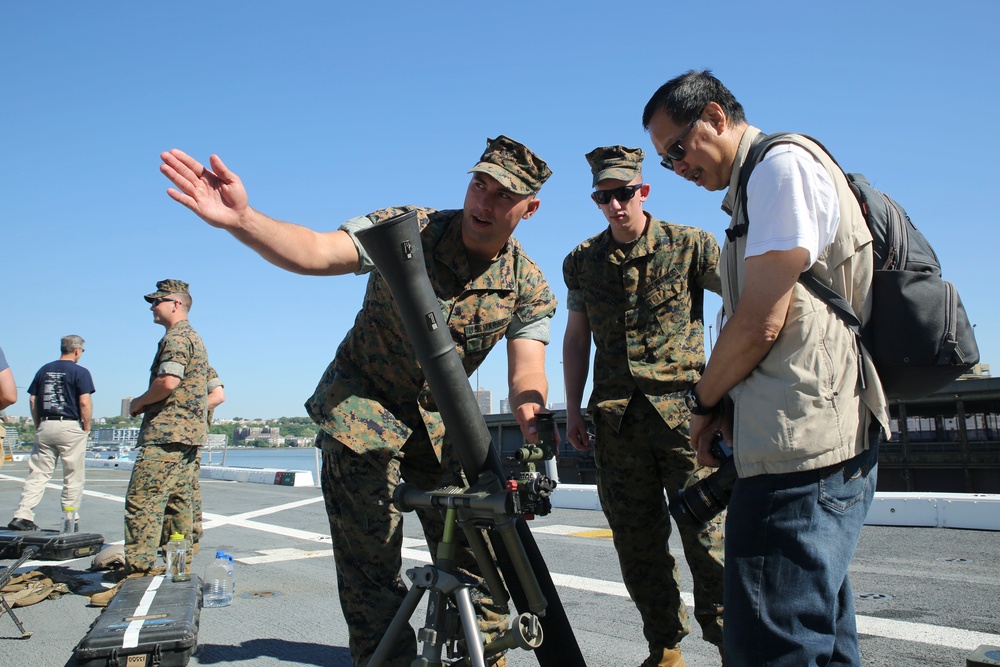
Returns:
(174, 413)
(379, 424)
(62, 410)
(637, 288)
(787, 382)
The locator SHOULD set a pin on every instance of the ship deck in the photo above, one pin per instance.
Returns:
(925, 596)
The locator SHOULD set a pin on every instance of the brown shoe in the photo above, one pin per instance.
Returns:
(103, 599)
(671, 657)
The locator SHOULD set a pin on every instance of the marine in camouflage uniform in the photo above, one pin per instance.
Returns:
(379, 423)
(637, 289)
(172, 431)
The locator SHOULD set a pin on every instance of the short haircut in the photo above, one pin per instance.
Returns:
(684, 97)
(70, 343)
(184, 299)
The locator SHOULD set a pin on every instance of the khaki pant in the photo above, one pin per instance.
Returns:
(55, 440)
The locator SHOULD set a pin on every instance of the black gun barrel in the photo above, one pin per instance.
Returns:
(395, 247)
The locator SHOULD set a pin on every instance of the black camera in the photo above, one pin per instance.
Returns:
(702, 501)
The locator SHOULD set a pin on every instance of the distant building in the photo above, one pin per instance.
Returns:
(504, 406)
(269, 434)
(114, 436)
(216, 440)
(484, 397)
(126, 402)
(11, 437)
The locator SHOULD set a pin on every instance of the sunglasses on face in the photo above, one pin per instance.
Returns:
(622, 194)
(676, 150)
(162, 299)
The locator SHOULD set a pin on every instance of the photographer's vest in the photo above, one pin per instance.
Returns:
(807, 404)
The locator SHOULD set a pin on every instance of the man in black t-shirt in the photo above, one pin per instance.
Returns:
(62, 411)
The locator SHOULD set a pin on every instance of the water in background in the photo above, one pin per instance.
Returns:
(285, 458)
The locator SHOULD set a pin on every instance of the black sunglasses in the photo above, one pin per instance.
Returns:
(160, 299)
(676, 151)
(622, 194)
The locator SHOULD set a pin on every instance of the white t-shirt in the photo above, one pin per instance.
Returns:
(792, 203)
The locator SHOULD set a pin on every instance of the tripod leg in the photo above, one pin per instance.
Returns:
(5, 609)
(470, 627)
(399, 621)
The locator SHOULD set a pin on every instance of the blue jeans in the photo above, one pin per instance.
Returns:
(789, 541)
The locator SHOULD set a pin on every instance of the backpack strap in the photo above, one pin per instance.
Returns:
(761, 144)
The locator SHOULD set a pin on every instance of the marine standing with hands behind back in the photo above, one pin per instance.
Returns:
(379, 423)
(174, 413)
(637, 289)
(804, 427)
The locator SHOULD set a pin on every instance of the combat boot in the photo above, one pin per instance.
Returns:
(670, 657)
(103, 599)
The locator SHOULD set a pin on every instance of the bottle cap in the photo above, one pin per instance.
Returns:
(176, 536)
(220, 554)
(69, 508)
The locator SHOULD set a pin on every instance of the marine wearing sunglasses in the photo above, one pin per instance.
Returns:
(622, 194)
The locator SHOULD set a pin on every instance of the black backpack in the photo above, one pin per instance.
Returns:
(919, 334)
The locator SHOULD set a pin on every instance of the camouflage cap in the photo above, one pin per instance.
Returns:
(513, 165)
(166, 288)
(617, 162)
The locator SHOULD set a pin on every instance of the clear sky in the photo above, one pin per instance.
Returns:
(328, 110)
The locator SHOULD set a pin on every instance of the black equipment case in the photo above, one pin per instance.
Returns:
(150, 621)
(52, 545)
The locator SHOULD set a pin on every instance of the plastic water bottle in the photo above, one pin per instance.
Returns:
(232, 574)
(217, 590)
(176, 557)
(69, 520)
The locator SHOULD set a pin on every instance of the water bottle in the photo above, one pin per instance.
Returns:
(69, 520)
(232, 575)
(217, 590)
(176, 557)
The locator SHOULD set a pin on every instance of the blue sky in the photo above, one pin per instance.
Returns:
(330, 110)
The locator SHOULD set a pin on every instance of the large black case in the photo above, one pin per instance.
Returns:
(150, 621)
(52, 545)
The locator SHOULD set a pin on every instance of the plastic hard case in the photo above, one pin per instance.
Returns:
(150, 621)
(52, 545)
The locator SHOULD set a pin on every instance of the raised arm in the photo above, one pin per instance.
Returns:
(218, 197)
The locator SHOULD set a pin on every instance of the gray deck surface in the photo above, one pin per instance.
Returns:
(927, 596)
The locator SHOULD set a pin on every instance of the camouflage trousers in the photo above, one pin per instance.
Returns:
(159, 495)
(172, 524)
(368, 538)
(635, 465)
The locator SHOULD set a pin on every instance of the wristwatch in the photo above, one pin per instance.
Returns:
(694, 403)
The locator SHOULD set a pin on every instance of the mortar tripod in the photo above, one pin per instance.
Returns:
(449, 605)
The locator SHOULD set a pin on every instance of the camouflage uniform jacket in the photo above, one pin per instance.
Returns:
(373, 394)
(644, 302)
(181, 417)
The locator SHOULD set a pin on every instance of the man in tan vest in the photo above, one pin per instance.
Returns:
(787, 383)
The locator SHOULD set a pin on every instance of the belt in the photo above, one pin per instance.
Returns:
(60, 419)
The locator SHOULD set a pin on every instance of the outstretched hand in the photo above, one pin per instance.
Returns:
(215, 195)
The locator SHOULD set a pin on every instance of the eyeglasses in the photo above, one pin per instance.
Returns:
(158, 300)
(622, 194)
(676, 150)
